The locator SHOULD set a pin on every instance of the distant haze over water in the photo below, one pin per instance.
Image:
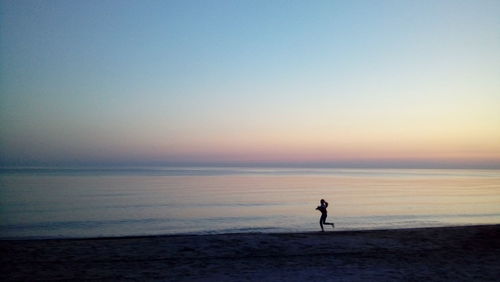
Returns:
(94, 202)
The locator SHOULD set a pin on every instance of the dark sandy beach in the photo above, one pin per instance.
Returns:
(439, 254)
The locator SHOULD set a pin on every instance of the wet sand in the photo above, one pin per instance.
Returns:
(438, 254)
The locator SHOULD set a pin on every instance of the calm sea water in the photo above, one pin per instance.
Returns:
(49, 203)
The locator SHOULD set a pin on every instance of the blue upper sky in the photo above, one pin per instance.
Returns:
(335, 82)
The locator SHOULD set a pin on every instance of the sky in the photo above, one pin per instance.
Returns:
(334, 83)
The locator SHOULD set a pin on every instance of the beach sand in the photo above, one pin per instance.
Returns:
(469, 253)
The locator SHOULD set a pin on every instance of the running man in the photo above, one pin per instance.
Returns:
(322, 220)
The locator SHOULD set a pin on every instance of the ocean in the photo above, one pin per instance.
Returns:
(102, 202)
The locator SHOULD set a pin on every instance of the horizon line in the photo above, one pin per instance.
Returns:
(326, 165)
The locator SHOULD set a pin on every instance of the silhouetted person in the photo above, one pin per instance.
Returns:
(322, 220)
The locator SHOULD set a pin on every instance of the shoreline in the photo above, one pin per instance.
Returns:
(434, 253)
(328, 230)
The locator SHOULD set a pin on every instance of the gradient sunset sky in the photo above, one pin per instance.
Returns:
(340, 83)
